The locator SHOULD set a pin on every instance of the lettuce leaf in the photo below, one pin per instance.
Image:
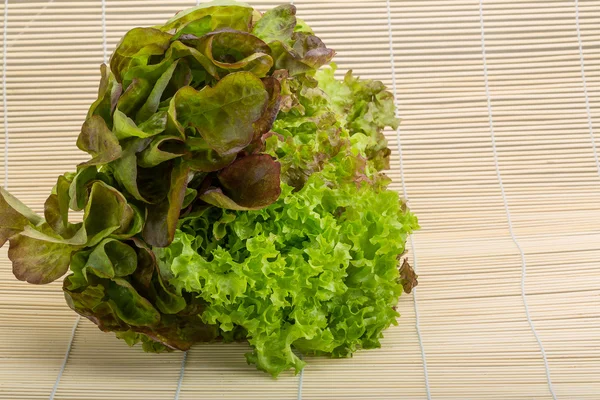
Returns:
(223, 115)
(276, 24)
(39, 261)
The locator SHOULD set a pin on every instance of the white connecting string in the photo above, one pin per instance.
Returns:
(181, 373)
(31, 21)
(416, 306)
(104, 50)
(506, 209)
(404, 193)
(185, 354)
(5, 47)
(300, 384)
(4, 95)
(65, 359)
(300, 378)
(585, 91)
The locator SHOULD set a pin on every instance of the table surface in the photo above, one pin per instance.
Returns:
(497, 154)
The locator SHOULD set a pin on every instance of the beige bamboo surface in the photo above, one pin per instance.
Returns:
(500, 102)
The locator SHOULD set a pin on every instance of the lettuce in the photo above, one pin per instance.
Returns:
(234, 192)
(317, 271)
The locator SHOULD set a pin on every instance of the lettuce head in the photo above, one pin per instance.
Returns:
(234, 192)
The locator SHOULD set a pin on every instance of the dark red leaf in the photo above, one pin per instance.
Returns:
(251, 182)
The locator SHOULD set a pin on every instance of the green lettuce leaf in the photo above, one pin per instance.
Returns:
(90, 302)
(276, 24)
(126, 128)
(136, 48)
(129, 306)
(161, 221)
(15, 216)
(302, 26)
(125, 169)
(231, 50)
(108, 94)
(111, 258)
(223, 13)
(56, 208)
(99, 141)
(134, 96)
(162, 148)
(78, 190)
(224, 114)
(367, 108)
(151, 105)
(195, 28)
(201, 157)
(106, 212)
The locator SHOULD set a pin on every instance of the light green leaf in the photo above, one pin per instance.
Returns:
(177, 50)
(136, 47)
(162, 148)
(276, 24)
(76, 239)
(106, 212)
(198, 27)
(190, 196)
(225, 113)
(14, 216)
(153, 100)
(216, 197)
(135, 95)
(125, 127)
(78, 191)
(111, 258)
(224, 13)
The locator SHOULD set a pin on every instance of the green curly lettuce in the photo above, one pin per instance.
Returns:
(317, 271)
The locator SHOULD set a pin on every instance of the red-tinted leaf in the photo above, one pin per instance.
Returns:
(216, 197)
(408, 277)
(252, 181)
(39, 261)
(162, 217)
(14, 216)
(265, 122)
(99, 141)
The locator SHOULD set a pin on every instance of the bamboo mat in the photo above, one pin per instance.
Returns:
(497, 154)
